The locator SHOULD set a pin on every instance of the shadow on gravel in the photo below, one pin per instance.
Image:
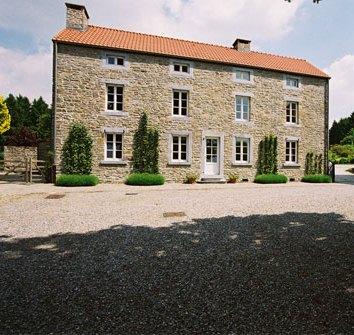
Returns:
(287, 273)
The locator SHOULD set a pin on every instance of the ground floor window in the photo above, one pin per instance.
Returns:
(291, 151)
(242, 150)
(113, 146)
(179, 148)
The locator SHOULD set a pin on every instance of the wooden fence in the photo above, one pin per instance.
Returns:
(28, 170)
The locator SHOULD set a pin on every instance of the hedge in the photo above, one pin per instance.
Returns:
(145, 179)
(77, 180)
(270, 179)
(317, 178)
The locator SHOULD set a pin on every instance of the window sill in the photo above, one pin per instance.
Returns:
(115, 67)
(112, 113)
(179, 163)
(182, 75)
(180, 118)
(291, 165)
(242, 121)
(292, 88)
(289, 124)
(241, 164)
(247, 82)
(108, 162)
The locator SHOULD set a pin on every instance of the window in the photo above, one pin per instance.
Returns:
(180, 103)
(291, 151)
(114, 146)
(292, 82)
(181, 68)
(242, 108)
(292, 112)
(115, 98)
(179, 148)
(242, 150)
(243, 75)
(114, 60)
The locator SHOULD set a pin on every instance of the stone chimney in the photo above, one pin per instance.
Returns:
(242, 45)
(76, 17)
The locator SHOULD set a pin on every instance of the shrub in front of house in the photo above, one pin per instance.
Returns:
(271, 178)
(232, 178)
(145, 179)
(316, 178)
(76, 180)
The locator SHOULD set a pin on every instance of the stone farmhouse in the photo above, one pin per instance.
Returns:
(212, 104)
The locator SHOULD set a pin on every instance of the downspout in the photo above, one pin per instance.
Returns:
(326, 120)
(54, 101)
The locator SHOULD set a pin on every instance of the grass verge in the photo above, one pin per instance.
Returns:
(270, 179)
(317, 178)
(76, 180)
(145, 179)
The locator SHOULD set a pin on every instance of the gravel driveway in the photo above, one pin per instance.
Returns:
(244, 259)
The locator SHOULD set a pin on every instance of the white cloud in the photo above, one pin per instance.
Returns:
(341, 87)
(28, 75)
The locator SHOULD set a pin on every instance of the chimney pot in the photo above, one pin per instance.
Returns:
(76, 16)
(242, 44)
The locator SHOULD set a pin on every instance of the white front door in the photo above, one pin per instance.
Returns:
(212, 156)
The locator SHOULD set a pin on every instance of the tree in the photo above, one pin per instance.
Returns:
(145, 148)
(40, 119)
(349, 139)
(77, 151)
(5, 117)
(268, 155)
(340, 129)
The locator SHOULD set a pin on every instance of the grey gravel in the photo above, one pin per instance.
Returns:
(247, 259)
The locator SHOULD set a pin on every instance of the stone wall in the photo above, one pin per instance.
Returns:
(148, 83)
(12, 153)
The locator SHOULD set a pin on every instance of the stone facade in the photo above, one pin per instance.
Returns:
(80, 96)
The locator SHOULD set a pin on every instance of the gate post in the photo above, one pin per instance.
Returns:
(30, 170)
(26, 172)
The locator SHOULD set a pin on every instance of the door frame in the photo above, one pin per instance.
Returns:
(211, 133)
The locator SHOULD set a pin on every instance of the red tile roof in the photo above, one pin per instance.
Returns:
(158, 45)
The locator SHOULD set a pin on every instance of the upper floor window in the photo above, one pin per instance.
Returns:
(242, 150)
(243, 75)
(242, 108)
(114, 60)
(115, 98)
(292, 82)
(113, 146)
(180, 103)
(291, 151)
(181, 67)
(292, 112)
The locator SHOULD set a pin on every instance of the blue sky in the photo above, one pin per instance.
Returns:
(323, 34)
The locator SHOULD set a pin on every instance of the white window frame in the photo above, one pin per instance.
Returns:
(242, 97)
(242, 137)
(293, 142)
(242, 81)
(292, 103)
(180, 62)
(285, 82)
(114, 158)
(124, 56)
(114, 110)
(180, 115)
(179, 161)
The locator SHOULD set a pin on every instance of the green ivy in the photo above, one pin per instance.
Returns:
(313, 164)
(77, 151)
(145, 148)
(268, 155)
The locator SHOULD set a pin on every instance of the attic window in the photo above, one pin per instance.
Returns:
(181, 68)
(114, 60)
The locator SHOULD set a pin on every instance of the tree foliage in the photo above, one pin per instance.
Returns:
(27, 117)
(77, 151)
(341, 129)
(5, 117)
(145, 148)
(268, 155)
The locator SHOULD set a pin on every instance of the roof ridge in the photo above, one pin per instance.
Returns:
(197, 42)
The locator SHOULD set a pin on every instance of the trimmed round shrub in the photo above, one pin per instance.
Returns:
(76, 180)
(271, 179)
(145, 179)
(317, 178)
